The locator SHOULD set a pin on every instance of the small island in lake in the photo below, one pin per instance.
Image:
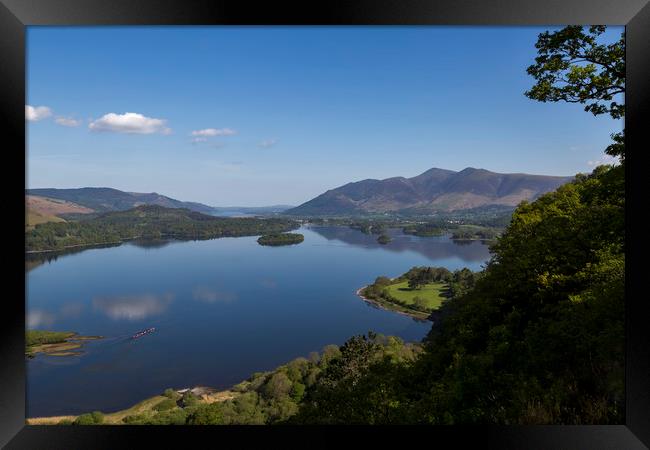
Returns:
(54, 343)
(384, 239)
(281, 239)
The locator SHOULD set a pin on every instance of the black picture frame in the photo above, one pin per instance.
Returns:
(15, 15)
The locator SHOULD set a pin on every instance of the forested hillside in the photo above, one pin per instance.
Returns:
(539, 339)
(148, 221)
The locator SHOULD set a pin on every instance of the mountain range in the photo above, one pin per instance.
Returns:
(436, 190)
(101, 199)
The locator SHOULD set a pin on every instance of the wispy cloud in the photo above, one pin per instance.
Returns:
(267, 143)
(67, 121)
(210, 132)
(36, 113)
(605, 159)
(129, 123)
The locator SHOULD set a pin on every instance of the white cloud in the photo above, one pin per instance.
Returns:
(605, 159)
(196, 140)
(209, 132)
(268, 143)
(34, 114)
(129, 123)
(67, 121)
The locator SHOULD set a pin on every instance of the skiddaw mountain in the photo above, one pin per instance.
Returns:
(436, 190)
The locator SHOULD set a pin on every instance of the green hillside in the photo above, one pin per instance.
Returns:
(148, 221)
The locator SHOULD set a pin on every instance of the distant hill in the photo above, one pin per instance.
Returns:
(108, 199)
(148, 222)
(436, 190)
(42, 210)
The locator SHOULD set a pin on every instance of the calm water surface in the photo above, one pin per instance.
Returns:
(223, 309)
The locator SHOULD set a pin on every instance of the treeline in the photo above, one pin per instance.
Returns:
(281, 239)
(539, 339)
(148, 222)
(467, 232)
(426, 229)
(462, 227)
(489, 216)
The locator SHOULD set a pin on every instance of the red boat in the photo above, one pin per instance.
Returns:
(143, 332)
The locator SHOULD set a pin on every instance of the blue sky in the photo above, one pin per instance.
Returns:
(253, 116)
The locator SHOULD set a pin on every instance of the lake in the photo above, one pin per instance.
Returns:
(223, 308)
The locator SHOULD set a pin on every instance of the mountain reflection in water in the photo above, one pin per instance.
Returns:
(472, 251)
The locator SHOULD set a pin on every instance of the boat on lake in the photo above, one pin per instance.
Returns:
(143, 332)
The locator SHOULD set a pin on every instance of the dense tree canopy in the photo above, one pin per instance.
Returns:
(538, 339)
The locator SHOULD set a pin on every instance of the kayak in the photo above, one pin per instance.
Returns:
(143, 332)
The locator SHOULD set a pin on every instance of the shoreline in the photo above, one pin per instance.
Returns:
(97, 244)
(205, 394)
(413, 315)
(71, 345)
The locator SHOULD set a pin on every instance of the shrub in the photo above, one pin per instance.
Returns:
(278, 386)
(189, 399)
(170, 393)
(297, 392)
(165, 405)
(206, 415)
(89, 419)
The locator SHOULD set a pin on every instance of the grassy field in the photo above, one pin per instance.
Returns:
(42, 210)
(34, 218)
(430, 293)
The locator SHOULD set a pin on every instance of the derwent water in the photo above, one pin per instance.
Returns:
(222, 309)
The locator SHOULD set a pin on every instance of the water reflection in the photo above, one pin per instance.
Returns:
(209, 295)
(133, 307)
(470, 251)
(151, 243)
(33, 260)
(269, 284)
(267, 306)
(39, 318)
